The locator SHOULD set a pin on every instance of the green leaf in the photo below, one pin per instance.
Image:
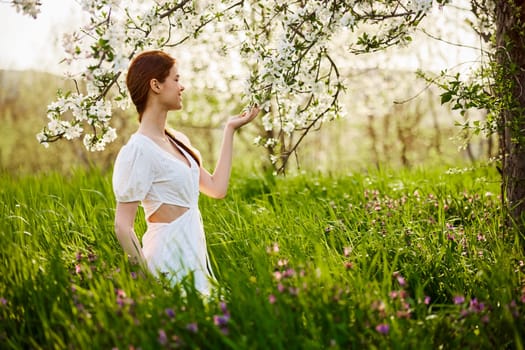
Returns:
(446, 97)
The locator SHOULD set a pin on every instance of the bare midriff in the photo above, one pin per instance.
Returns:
(167, 213)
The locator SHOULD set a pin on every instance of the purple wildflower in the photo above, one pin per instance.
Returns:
(289, 272)
(3, 301)
(192, 327)
(163, 338)
(170, 313)
(401, 281)
(427, 300)
(272, 299)
(383, 328)
(220, 321)
(476, 306)
(122, 299)
(459, 299)
(224, 307)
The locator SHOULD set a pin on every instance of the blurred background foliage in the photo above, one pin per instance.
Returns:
(392, 119)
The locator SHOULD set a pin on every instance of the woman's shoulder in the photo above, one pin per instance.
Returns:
(136, 146)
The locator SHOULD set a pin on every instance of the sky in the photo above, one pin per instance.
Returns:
(27, 43)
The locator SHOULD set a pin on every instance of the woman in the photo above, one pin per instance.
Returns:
(161, 170)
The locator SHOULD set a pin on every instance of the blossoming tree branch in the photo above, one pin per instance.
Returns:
(286, 49)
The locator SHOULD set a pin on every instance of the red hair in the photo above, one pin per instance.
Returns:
(146, 66)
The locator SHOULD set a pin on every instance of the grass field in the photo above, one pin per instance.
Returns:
(404, 260)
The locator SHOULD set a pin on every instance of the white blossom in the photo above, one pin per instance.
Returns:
(347, 20)
(73, 131)
(120, 63)
(288, 127)
(41, 137)
(56, 106)
(110, 135)
(56, 127)
(276, 53)
(270, 142)
(28, 7)
(267, 122)
(123, 102)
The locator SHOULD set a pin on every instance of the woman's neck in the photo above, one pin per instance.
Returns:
(153, 124)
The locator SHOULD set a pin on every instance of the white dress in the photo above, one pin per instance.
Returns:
(145, 172)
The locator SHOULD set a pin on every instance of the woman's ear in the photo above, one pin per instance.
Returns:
(154, 85)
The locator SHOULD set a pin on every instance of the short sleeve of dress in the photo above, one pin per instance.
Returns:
(132, 174)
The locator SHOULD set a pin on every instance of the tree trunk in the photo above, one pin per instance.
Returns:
(510, 56)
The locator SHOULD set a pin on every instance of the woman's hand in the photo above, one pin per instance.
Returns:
(244, 118)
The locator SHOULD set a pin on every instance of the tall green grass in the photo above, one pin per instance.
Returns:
(409, 259)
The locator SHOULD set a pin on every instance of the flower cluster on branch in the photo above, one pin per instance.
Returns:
(284, 50)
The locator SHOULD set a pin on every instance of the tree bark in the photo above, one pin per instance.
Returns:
(510, 56)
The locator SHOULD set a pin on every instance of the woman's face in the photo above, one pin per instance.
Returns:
(171, 90)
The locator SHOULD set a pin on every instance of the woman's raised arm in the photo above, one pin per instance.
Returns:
(216, 185)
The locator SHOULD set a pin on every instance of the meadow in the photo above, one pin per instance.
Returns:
(410, 259)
